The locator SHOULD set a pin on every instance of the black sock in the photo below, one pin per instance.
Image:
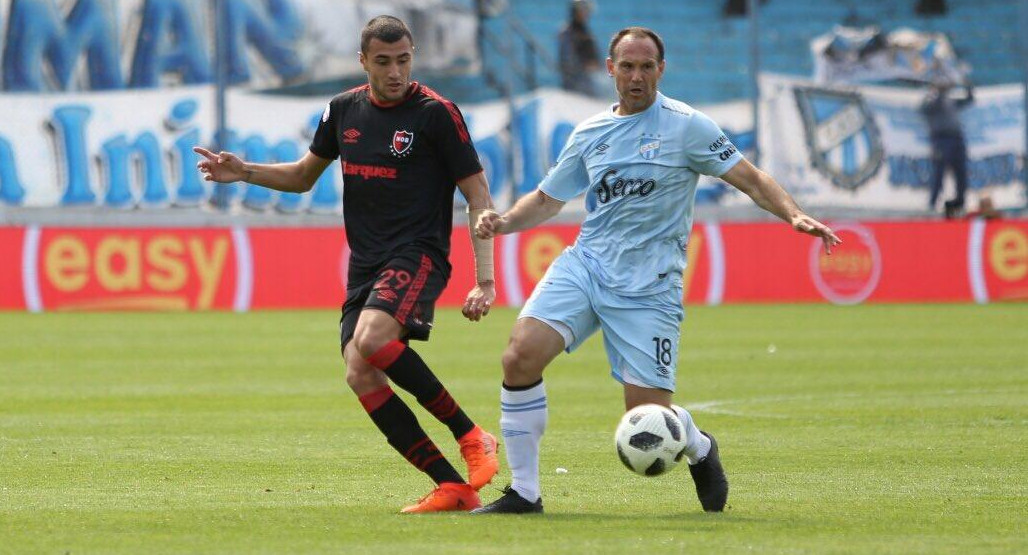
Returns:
(520, 387)
(403, 365)
(396, 421)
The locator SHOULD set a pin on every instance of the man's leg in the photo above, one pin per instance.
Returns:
(557, 315)
(959, 162)
(938, 171)
(395, 419)
(642, 337)
(402, 430)
(523, 412)
(377, 340)
(697, 445)
(401, 303)
(700, 448)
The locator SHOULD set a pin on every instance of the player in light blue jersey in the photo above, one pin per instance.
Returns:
(637, 164)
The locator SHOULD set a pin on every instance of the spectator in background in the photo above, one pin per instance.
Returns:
(949, 148)
(579, 56)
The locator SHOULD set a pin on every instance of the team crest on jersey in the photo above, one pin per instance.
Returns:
(843, 140)
(402, 141)
(649, 146)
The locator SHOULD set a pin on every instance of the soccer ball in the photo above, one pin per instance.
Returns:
(650, 439)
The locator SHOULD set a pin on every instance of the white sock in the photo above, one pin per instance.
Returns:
(523, 417)
(696, 444)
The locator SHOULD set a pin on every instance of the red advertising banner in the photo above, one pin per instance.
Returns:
(703, 279)
(922, 262)
(125, 269)
(298, 267)
(279, 268)
(998, 264)
(12, 296)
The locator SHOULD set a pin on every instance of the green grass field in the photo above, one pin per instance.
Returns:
(868, 429)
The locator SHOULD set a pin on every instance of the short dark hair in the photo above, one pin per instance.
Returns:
(638, 33)
(385, 28)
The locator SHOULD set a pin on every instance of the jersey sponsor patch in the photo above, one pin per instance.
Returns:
(351, 135)
(368, 171)
(720, 142)
(402, 141)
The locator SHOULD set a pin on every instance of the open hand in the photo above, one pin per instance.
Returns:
(805, 224)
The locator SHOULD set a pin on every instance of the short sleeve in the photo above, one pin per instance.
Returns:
(567, 178)
(453, 141)
(324, 144)
(708, 149)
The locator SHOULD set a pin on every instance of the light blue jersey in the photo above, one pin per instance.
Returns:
(640, 174)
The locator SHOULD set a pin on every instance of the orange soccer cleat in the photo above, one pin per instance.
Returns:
(478, 449)
(448, 496)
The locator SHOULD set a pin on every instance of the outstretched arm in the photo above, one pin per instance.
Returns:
(528, 212)
(770, 196)
(475, 189)
(289, 177)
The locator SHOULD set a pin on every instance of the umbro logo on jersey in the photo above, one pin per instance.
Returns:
(673, 109)
(387, 295)
(600, 149)
(402, 141)
(351, 135)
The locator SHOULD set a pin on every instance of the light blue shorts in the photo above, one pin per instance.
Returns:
(640, 334)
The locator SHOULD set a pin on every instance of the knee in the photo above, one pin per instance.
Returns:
(368, 340)
(520, 366)
(361, 376)
(361, 380)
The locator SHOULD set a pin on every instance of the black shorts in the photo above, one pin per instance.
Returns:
(406, 287)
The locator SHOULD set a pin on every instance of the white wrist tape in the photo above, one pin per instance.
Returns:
(483, 248)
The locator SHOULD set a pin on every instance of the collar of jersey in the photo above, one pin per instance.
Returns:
(614, 116)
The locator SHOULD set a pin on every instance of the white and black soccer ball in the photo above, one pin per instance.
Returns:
(650, 439)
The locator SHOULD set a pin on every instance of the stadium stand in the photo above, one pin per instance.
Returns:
(711, 51)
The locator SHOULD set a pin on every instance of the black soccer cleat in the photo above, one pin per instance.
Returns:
(511, 503)
(709, 476)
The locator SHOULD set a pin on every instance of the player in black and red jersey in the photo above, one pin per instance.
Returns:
(403, 150)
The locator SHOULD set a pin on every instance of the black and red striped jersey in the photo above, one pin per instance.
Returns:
(400, 164)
